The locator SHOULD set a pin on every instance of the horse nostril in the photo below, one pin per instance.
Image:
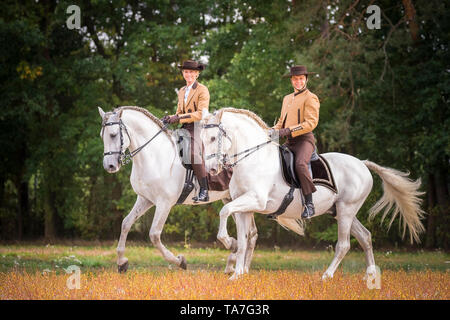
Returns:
(213, 171)
(111, 166)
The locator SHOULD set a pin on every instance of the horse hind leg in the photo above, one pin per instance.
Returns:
(253, 236)
(364, 238)
(231, 260)
(345, 216)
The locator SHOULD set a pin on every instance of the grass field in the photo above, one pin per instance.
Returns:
(38, 272)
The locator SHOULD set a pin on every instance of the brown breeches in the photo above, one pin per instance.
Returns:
(303, 147)
(198, 164)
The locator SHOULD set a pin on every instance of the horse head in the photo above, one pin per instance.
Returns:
(115, 140)
(216, 141)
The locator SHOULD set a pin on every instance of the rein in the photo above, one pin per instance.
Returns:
(123, 157)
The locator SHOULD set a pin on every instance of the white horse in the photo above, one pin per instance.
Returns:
(257, 185)
(157, 174)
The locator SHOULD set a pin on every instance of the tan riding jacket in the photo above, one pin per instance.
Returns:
(300, 113)
(198, 99)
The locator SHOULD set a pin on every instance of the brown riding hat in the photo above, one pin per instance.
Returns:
(297, 71)
(192, 65)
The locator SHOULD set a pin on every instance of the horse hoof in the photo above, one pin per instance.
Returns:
(327, 276)
(123, 268)
(229, 270)
(183, 262)
(235, 276)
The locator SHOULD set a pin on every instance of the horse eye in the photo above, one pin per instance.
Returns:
(113, 135)
(213, 139)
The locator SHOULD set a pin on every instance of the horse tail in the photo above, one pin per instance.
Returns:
(295, 225)
(403, 194)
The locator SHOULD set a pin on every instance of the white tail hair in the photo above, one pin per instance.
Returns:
(295, 225)
(403, 194)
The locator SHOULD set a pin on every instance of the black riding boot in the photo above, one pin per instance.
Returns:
(203, 193)
(309, 207)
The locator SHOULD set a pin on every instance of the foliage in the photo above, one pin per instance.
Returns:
(384, 97)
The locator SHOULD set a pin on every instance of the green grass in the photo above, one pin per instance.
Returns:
(55, 258)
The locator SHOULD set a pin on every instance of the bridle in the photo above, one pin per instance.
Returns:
(124, 157)
(221, 157)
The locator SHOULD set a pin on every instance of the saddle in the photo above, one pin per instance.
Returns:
(319, 170)
(218, 182)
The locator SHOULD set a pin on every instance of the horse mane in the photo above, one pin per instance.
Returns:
(156, 120)
(246, 112)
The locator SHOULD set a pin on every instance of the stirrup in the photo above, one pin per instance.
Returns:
(308, 213)
(205, 197)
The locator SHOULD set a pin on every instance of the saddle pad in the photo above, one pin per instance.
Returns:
(183, 143)
(320, 168)
(322, 174)
(220, 181)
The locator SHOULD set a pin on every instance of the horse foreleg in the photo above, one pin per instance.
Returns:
(222, 234)
(231, 260)
(248, 202)
(243, 224)
(243, 206)
(161, 214)
(140, 207)
(253, 236)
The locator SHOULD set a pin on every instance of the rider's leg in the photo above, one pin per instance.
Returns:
(198, 166)
(303, 149)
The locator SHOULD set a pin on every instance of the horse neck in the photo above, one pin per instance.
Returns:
(245, 131)
(140, 129)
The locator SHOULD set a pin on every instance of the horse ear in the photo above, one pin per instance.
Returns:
(205, 114)
(102, 113)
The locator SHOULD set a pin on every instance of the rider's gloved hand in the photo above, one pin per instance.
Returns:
(165, 119)
(275, 134)
(285, 132)
(174, 119)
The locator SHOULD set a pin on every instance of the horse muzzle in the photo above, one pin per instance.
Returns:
(110, 165)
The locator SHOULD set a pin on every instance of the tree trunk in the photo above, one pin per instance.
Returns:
(49, 216)
(23, 212)
(441, 189)
(410, 14)
(431, 223)
(443, 208)
(116, 194)
(325, 27)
